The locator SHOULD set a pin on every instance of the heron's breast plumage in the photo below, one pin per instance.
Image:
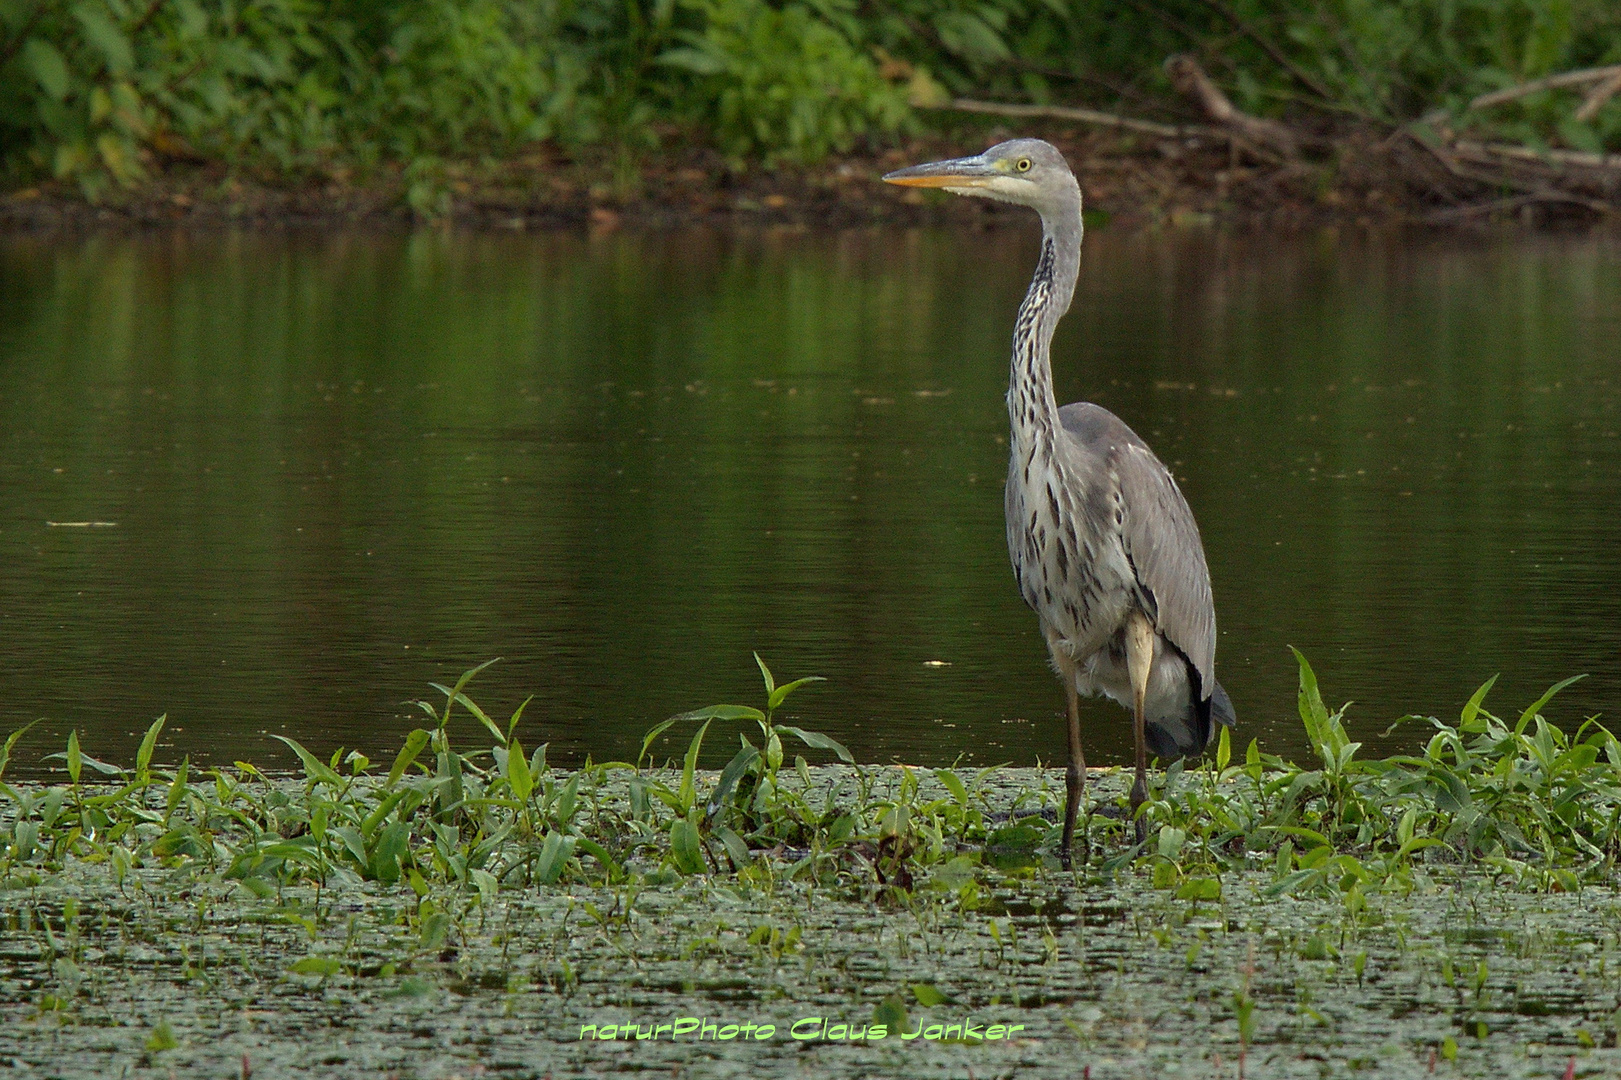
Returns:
(1071, 567)
(1063, 510)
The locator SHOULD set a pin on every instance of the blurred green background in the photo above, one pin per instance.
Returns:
(102, 92)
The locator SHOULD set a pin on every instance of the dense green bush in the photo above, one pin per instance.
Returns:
(98, 91)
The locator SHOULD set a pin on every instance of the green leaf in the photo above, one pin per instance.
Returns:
(1224, 750)
(11, 741)
(162, 1038)
(781, 693)
(1418, 843)
(414, 744)
(177, 789)
(686, 847)
(599, 853)
(736, 849)
(952, 783)
(75, 758)
(770, 683)
(102, 33)
(729, 777)
(1536, 706)
(45, 62)
(323, 966)
(392, 852)
(472, 706)
(454, 693)
(315, 769)
(1312, 711)
(1197, 889)
(658, 729)
(149, 742)
(517, 714)
(1471, 708)
(518, 775)
(820, 742)
(722, 712)
(687, 793)
(368, 827)
(928, 995)
(568, 800)
(554, 856)
(891, 1012)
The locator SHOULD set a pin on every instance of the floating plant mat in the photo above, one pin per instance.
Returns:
(1450, 913)
(181, 969)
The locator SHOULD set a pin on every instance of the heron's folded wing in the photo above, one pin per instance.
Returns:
(1163, 543)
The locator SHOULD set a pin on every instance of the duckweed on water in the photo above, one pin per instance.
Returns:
(1451, 912)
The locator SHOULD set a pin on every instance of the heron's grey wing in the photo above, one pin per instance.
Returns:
(1159, 533)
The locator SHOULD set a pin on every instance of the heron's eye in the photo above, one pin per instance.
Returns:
(1023, 165)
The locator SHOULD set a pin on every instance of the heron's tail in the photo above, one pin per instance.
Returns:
(1221, 710)
(1175, 737)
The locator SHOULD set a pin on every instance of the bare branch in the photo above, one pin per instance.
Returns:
(1552, 82)
(1189, 78)
(1084, 116)
(1597, 96)
(1581, 159)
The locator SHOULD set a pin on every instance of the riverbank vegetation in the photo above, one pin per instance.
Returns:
(1456, 904)
(433, 101)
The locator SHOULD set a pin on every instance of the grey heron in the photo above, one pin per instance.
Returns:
(1103, 544)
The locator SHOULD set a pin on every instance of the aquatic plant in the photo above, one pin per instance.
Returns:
(1353, 904)
(1522, 801)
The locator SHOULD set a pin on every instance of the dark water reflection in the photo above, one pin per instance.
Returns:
(340, 467)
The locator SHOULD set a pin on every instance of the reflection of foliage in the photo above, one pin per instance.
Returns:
(96, 90)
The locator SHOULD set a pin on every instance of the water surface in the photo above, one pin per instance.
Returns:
(335, 468)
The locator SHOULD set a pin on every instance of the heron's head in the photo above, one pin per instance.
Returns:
(1025, 171)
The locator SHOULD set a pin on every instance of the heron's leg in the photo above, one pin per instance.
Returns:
(1075, 779)
(1139, 662)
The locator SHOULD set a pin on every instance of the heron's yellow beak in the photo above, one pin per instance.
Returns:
(969, 172)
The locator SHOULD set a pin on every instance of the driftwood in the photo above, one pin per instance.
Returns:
(1189, 78)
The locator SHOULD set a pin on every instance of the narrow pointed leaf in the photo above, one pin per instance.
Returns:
(820, 741)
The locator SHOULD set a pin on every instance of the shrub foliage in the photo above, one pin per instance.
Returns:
(102, 91)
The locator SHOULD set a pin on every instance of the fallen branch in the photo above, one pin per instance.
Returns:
(1552, 82)
(1516, 202)
(1583, 159)
(1596, 98)
(1189, 78)
(1084, 116)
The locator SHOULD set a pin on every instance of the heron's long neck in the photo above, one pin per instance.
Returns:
(1031, 405)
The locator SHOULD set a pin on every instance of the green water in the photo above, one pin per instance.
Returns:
(340, 466)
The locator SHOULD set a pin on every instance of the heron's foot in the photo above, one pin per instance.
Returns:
(1139, 795)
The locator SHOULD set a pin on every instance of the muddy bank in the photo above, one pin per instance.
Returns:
(1364, 179)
